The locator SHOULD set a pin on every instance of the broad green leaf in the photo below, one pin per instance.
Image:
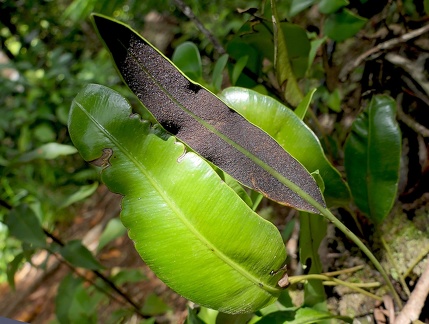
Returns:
(292, 134)
(284, 72)
(25, 226)
(330, 6)
(372, 155)
(342, 25)
(78, 255)
(193, 231)
(205, 123)
(113, 230)
(48, 152)
(187, 58)
(82, 193)
(238, 69)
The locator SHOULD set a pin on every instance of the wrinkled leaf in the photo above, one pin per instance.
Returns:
(372, 156)
(205, 123)
(78, 255)
(48, 152)
(284, 72)
(342, 25)
(194, 232)
(25, 226)
(290, 132)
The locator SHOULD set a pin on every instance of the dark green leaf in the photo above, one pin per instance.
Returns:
(73, 304)
(153, 305)
(25, 226)
(12, 267)
(285, 75)
(78, 255)
(342, 25)
(302, 315)
(193, 231)
(372, 156)
(330, 6)
(204, 122)
(294, 136)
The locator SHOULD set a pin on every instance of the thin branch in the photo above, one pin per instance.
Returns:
(110, 283)
(381, 47)
(414, 305)
(187, 11)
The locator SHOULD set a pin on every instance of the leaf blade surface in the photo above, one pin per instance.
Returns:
(204, 122)
(194, 232)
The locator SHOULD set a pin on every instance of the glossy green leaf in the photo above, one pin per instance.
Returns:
(187, 58)
(285, 74)
(372, 156)
(342, 25)
(194, 232)
(291, 133)
(78, 255)
(205, 123)
(25, 226)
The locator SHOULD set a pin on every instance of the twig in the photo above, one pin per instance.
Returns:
(101, 276)
(381, 47)
(187, 11)
(418, 128)
(394, 265)
(413, 307)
